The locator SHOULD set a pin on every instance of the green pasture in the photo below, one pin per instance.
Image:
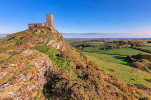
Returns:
(126, 73)
(96, 43)
(122, 51)
(111, 58)
(91, 49)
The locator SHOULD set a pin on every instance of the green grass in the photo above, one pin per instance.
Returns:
(125, 73)
(54, 56)
(123, 51)
(43, 36)
(112, 58)
(91, 49)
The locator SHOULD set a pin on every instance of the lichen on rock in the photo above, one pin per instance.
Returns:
(20, 83)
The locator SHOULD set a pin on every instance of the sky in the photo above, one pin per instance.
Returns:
(80, 18)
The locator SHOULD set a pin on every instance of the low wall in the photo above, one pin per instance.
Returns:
(36, 25)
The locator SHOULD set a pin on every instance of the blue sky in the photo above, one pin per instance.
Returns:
(77, 18)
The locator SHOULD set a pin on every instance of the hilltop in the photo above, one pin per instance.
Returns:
(39, 64)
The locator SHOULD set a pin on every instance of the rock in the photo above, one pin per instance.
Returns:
(39, 31)
(14, 94)
(56, 45)
(2, 74)
(12, 65)
(50, 42)
(21, 76)
(29, 77)
(27, 52)
(23, 80)
(30, 88)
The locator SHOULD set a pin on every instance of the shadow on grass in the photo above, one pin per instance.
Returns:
(122, 59)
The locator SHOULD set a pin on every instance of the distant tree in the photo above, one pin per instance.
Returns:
(80, 48)
(86, 49)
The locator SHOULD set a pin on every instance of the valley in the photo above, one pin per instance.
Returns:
(112, 57)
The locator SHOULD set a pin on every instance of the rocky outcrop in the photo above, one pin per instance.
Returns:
(23, 75)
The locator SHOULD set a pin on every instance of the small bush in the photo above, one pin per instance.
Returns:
(149, 80)
(101, 58)
(140, 65)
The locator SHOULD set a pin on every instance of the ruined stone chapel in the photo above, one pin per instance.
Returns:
(49, 23)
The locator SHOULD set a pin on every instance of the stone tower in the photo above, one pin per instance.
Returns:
(49, 21)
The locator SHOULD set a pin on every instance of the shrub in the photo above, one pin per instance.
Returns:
(144, 98)
(101, 58)
(149, 80)
(112, 70)
(143, 87)
(140, 65)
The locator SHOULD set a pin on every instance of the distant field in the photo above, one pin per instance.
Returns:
(112, 58)
(147, 48)
(91, 43)
(125, 73)
(123, 51)
(76, 44)
(103, 47)
(96, 43)
(148, 44)
(94, 48)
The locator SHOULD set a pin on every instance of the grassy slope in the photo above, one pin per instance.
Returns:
(128, 74)
(111, 58)
(123, 51)
(52, 53)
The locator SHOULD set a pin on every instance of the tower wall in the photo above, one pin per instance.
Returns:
(49, 20)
